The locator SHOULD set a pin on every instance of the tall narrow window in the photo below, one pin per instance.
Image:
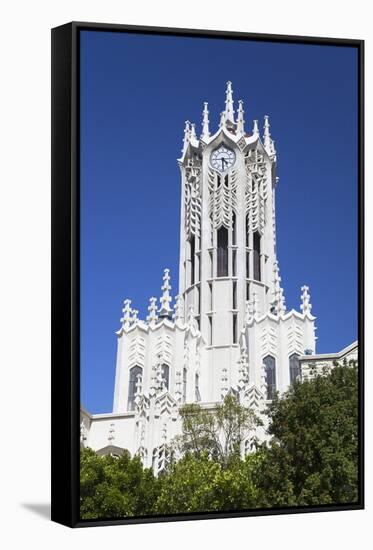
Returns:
(247, 265)
(247, 232)
(198, 300)
(234, 327)
(270, 368)
(222, 252)
(234, 263)
(233, 228)
(197, 394)
(234, 295)
(166, 375)
(184, 384)
(247, 291)
(135, 372)
(192, 249)
(294, 367)
(256, 239)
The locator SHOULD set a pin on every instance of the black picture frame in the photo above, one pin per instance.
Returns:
(65, 268)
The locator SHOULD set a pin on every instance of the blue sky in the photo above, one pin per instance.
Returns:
(136, 92)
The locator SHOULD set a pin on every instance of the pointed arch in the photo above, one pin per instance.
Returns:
(133, 377)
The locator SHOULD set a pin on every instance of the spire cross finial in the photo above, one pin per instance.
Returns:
(193, 135)
(229, 111)
(205, 122)
(165, 309)
(240, 119)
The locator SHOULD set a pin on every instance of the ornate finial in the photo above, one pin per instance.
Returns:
(135, 313)
(152, 318)
(193, 135)
(111, 435)
(240, 119)
(179, 307)
(305, 306)
(127, 314)
(186, 136)
(165, 309)
(255, 129)
(222, 119)
(205, 122)
(229, 111)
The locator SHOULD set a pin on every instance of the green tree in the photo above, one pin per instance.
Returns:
(115, 486)
(219, 432)
(198, 483)
(313, 456)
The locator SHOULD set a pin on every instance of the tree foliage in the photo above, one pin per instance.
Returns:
(313, 455)
(311, 459)
(219, 432)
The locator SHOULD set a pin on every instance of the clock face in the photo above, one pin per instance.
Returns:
(222, 158)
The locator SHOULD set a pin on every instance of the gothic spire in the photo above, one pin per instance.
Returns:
(305, 305)
(205, 122)
(240, 119)
(267, 135)
(255, 129)
(229, 111)
(193, 135)
(165, 309)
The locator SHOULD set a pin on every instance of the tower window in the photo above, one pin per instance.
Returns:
(234, 295)
(247, 265)
(256, 243)
(270, 368)
(184, 384)
(234, 327)
(210, 296)
(166, 375)
(222, 270)
(210, 330)
(192, 249)
(294, 367)
(234, 229)
(211, 263)
(234, 263)
(135, 372)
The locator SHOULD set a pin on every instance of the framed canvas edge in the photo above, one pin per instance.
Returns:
(65, 208)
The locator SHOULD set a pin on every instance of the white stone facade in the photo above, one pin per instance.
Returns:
(228, 329)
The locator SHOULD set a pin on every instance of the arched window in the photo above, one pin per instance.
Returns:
(294, 367)
(270, 368)
(197, 394)
(222, 267)
(134, 373)
(184, 384)
(166, 375)
(256, 246)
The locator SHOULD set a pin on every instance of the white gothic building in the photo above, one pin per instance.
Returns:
(228, 329)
